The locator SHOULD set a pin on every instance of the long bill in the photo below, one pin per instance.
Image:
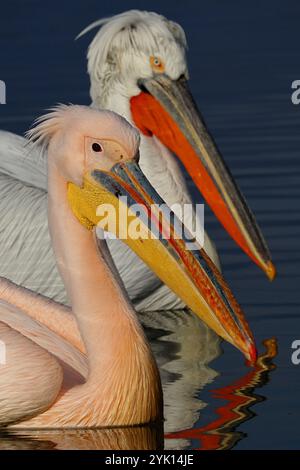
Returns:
(167, 109)
(139, 217)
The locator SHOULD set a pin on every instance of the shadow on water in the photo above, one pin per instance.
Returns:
(184, 347)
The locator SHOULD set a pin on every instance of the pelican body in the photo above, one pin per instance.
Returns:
(92, 366)
(138, 68)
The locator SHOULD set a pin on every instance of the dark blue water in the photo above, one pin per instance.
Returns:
(243, 58)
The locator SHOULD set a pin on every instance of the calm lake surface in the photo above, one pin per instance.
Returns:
(243, 58)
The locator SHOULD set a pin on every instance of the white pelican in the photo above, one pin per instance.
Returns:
(138, 68)
(92, 160)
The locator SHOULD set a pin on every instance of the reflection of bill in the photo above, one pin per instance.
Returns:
(221, 433)
(2, 92)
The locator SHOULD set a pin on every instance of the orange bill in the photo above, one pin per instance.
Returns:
(166, 109)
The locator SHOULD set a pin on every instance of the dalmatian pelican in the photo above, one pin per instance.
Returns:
(138, 68)
(94, 368)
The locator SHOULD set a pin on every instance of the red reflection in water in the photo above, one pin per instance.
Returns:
(239, 396)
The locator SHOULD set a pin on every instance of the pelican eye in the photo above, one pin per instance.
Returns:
(157, 64)
(96, 147)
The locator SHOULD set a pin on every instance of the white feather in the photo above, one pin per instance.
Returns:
(25, 249)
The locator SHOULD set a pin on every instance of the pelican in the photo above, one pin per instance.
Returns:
(137, 66)
(94, 368)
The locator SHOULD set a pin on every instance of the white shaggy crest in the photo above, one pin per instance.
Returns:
(134, 30)
(23, 186)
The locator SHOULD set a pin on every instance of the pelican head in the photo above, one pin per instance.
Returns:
(96, 153)
(140, 57)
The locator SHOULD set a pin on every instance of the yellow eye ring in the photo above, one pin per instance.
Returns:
(157, 64)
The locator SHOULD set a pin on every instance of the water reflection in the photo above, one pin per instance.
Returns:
(133, 438)
(184, 347)
(239, 396)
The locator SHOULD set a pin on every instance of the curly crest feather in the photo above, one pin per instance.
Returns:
(132, 31)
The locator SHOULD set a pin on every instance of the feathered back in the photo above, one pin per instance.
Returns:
(132, 30)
